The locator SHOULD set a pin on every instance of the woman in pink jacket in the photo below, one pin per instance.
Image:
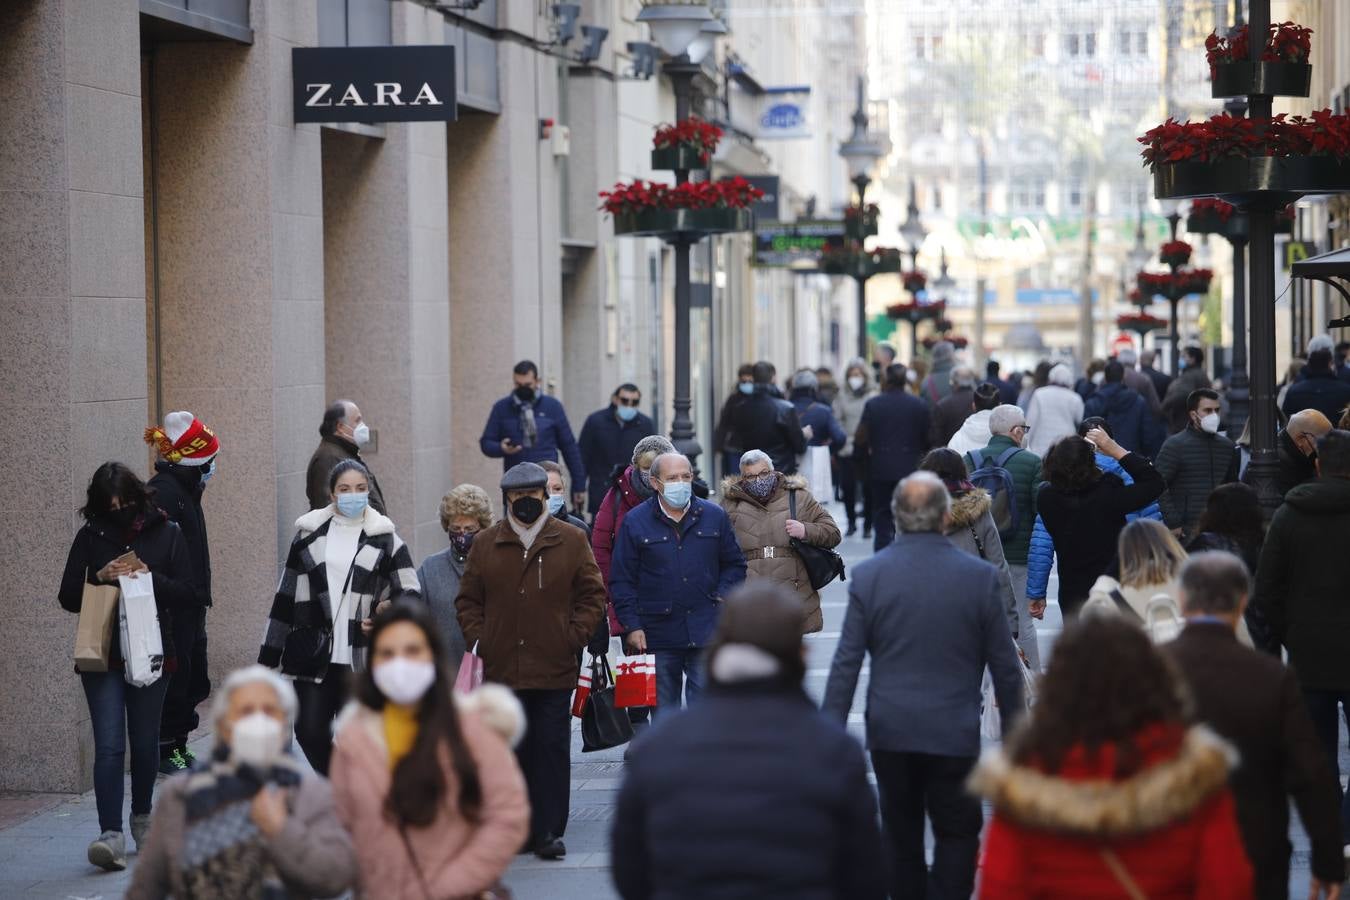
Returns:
(424, 779)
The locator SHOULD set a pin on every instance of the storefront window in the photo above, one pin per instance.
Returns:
(353, 23)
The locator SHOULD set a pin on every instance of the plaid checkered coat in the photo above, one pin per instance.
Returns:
(383, 571)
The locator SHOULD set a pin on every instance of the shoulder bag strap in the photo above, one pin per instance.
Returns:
(1124, 606)
(417, 866)
(792, 503)
(1122, 874)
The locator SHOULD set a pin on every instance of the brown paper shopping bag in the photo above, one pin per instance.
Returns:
(93, 636)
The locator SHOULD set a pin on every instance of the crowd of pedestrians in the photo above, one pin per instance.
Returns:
(1153, 754)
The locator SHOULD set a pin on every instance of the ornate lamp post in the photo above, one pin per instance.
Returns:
(860, 153)
(912, 229)
(675, 27)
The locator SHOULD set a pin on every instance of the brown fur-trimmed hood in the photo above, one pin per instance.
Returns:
(731, 487)
(1157, 796)
(969, 508)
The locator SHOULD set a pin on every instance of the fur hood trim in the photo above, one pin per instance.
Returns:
(493, 704)
(372, 524)
(969, 508)
(787, 482)
(1151, 799)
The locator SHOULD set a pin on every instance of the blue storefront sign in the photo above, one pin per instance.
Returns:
(1051, 297)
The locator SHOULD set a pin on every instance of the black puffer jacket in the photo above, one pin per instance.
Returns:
(763, 422)
(1300, 582)
(1193, 463)
(178, 491)
(159, 544)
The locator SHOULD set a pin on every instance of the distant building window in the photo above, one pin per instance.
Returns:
(920, 47)
(1090, 44)
(354, 23)
(1141, 42)
(1124, 43)
(1071, 44)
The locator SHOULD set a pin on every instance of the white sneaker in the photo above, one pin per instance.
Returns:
(109, 851)
(140, 827)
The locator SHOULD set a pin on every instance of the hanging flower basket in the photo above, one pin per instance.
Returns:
(860, 223)
(654, 222)
(1244, 181)
(914, 312)
(960, 342)
(1174, 286)
(1266, 79)
(880, 261)
(1140, 323)
(1175, 254)
(1140, 299)
(1210, 216)
(688, 144)
(914, 281)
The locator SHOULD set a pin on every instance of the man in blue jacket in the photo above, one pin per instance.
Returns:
(1126, 410)
(893, 433)
(529, 426)
(608, 438)
(675, 558)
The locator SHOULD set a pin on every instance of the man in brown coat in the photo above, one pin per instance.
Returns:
(530, 598)
(1254, 702)
(758, 503)
(342, 434)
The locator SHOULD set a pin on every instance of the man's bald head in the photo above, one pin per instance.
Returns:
(1305, 428)
(921, 503)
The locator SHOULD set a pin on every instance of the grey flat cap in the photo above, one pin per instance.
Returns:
(524, 477)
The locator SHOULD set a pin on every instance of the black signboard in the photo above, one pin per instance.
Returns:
(766, 207)
(374, 84)
(798, 244)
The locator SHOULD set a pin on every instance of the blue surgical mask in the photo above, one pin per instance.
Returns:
(555, 504)
(677, 493)
(352, 505)
(626, 413)
(208, 472)
(746, 387)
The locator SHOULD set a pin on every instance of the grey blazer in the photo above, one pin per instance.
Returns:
(931, 617)
(440, 574)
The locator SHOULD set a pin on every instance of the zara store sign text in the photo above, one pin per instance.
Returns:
(374, 84)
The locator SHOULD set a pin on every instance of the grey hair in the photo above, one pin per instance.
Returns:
(1127, 357)
(656, 463)
(1005, 418)
(1061, 375)
(1321, 342)
(1213, 582)
(254, 674)
(963, 377)
(805, 379)
(920, 503)
(750, 457)
(657, 443)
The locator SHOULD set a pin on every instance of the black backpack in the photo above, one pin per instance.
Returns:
(994, 477)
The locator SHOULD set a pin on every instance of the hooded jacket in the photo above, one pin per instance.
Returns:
(763, 524)
(1053, 412)
(1126, 412)
(458, 858)
(1172, 824)
(1300, 582)
(848, 409)
(972, 529)
(973, 434)
(178, 491)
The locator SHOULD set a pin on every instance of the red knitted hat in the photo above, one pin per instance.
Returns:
(184, 440)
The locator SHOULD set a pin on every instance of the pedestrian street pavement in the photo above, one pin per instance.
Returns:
(43, 837)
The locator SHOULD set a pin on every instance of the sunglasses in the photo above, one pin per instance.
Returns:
(628, 401)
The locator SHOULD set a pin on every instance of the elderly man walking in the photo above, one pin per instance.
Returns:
(1006, 450)
(531, 597)
(931, 618)
(675, 559)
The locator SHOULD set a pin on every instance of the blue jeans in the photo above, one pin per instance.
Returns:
(676, 668)
(117, 710)
(1322, 708)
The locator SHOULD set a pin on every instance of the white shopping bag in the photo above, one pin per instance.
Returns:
(142, 647)
(991, 722)
(815, 468)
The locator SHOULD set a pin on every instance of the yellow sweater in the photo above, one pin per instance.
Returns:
(400, 731)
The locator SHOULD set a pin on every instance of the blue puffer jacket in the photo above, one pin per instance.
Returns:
(554, 436)
(668, 578)
(1041, 555)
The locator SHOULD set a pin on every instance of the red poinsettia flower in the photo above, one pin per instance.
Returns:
(1224, 136)
(730, 193)
(914, 281)
(1287, 42)
(692, 132)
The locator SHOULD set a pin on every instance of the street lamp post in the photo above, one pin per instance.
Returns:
(1239, 384)
(861, 152)
(676, 28)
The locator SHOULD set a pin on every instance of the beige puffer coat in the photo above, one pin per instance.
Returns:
(760, 525)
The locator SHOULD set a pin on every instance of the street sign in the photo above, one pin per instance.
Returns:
(797, 244)
(374, 84)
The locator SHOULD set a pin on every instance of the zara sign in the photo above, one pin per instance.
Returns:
(374, 84)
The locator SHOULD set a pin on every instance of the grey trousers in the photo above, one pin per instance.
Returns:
(1026, 625)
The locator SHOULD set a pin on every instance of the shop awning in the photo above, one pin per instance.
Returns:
(1327, 268)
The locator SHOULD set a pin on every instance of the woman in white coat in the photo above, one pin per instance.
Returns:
(1053, 412)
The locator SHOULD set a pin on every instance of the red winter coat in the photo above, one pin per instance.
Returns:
(1172, 824)
(619, 499)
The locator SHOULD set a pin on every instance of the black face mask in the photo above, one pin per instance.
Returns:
(527, 509)
(524, 394)
(123, 518)
(461, 544)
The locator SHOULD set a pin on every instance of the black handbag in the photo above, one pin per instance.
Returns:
(308, 649)
(822, 564)
(602, 724)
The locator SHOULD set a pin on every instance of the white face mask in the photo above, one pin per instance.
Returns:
(1099, 378)
(256, 740)
(856, 382)
(404, 681)
(361, 434)
(1210, 423)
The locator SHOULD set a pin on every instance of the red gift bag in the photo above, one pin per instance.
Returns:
(636, 682)
(583, 691)
(470, 672)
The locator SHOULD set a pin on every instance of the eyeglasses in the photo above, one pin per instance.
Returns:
(628, 401)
